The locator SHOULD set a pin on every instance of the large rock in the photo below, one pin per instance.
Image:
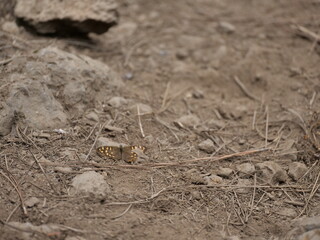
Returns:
(271, 172)
(67, 17)
(47, 87)
(36, 103)
(90, 182)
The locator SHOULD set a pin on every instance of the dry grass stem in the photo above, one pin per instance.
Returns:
(10, 178)
(44, 173)
(96, 138)
(244, 89)
(267, 126)
(139, 121)
(305, 32)
(128, 208)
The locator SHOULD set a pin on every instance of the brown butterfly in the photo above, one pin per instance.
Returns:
(126, 153)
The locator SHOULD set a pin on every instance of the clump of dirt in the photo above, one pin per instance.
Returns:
(205, 112)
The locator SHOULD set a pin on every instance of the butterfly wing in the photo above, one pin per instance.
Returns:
(113, 152)
(129, 154)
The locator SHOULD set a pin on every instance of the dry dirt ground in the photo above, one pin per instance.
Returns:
(253, 84)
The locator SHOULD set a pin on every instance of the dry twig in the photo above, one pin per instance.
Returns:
(44, 173)
(95, 140)
(139, 121)
(244, 89)
(14, 183)
(304, 32)
(120, 215)
(313, 191)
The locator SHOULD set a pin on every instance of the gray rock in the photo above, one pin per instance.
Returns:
(297, 170)
(82, 78)
(31, 202)
(182, 54)
(114, 129)
(305, 228)
(271, 172)
(196, 195)
(188, 120)
(310, 235)
(144, 109)
(149, 139)
(51, 81)
(128, 76)
(74, 92)
(65, 170)
(197, 94)
(308, 223)
(71, 17)
(10, 27)
(226, 27)
(92, 116)
(207, 146)
(245, 169)
(117, 102)
(36, 103)
(195, 177)
(213, 180)
(90, 182)
(225, 172)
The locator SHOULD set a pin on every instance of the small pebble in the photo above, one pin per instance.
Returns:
(144, 109)
(117, 102)
(31, 202)
(226, 27)
(207, 146)
(196, 195)
(10, 27)
(213, 180)
(246, 169)
(92, 116)
(197, 94)
(190, 120)
(297, 170)
(182, 54)
(194, 176)
(128, 76)
(224, 172)
(63, 169)
(271, 172)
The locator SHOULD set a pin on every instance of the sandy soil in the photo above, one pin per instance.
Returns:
(246, 73)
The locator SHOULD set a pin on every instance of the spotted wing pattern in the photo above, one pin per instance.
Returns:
(126, 153)
(113, 152)
(130, 155)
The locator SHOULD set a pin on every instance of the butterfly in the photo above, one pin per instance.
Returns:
(127, 153)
